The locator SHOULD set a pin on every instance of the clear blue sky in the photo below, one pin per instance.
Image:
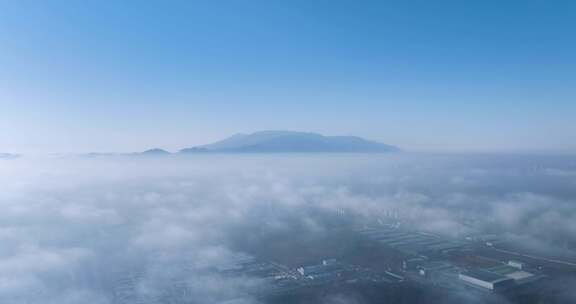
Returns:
(114, 75)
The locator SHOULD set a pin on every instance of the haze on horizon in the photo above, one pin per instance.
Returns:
(123, 76)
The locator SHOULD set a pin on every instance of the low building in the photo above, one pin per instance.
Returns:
(486, 280)
(519, 276)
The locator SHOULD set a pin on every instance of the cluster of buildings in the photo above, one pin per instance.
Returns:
(438, 261)
(418, 257)
(328, 270)
(412, 242)
(269, 278)
(500, 277)
(280, 279)
(272, 278)
(333, 271)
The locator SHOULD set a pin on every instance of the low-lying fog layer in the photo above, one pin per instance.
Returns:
(73, 230)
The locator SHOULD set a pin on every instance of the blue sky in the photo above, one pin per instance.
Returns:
(424, 75)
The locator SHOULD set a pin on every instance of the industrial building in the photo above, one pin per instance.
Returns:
(486, 280)
(412, 243)
(519, 275)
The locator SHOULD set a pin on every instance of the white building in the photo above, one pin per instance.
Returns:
(486, 280)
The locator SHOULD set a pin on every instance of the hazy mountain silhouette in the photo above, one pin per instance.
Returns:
(8, 155)
(155, 152)
(291, 141)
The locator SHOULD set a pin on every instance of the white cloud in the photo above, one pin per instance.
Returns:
(75, 228)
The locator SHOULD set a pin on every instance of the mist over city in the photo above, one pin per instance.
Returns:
(181, 229)
(287, 152)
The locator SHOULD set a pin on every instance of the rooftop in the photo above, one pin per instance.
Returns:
(485, 276)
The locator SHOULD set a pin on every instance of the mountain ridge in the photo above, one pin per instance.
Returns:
(282, 141)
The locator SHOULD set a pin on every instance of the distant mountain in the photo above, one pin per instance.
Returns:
(290, 141)
(155, 152)
(151, 152)
(8, 155)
